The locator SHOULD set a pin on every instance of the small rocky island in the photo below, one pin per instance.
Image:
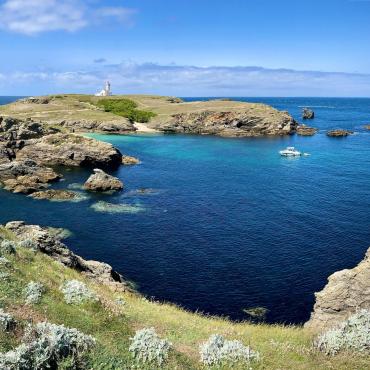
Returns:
(339, 133)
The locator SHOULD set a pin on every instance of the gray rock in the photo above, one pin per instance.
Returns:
(346, 292)
(101, 181)
(308, 113)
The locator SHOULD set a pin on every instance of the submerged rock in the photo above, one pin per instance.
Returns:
(106, 207)
(304, 130)
(59, 195)
(101, 181)
(26, 176)
(339, 133)
(51, 245)
(346, 292)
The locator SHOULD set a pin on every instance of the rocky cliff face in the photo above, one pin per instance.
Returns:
(49, 243)
(346, 292)
(247, 122)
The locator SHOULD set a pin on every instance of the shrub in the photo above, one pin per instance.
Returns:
(217, 350)
(148, 347)
(33, 292)
(29, 244)
(7, 247)
(125, 108)
(352, 334)
(76, 292)
(46, 346)
(4, 261)
(7, 321)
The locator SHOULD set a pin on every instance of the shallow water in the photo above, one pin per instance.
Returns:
(228, 224)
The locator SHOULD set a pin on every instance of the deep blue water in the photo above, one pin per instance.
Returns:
(231, 224)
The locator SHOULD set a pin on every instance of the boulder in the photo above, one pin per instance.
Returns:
(129, 161)
(101, 181)
(26, 176)
(71, 150)
(308, 113)
(304, 130)
(346, 292)
(49, 243)
(367, 127)
(339, 133)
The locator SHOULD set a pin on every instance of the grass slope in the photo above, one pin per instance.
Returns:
(113, 324)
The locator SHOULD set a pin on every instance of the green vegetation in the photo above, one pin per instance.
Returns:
(125, 108)
(116, 316)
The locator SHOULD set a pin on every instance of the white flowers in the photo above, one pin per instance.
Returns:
(352, 334)
(148, 347)
(217, 350)
(76, 292)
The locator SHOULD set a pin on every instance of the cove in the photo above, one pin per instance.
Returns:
(227, 224)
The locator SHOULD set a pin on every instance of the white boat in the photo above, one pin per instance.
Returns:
(290, 151)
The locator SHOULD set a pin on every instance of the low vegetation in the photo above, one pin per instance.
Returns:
(125, 108)
(122, 330)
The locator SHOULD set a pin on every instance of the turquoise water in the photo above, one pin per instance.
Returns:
(228, 224)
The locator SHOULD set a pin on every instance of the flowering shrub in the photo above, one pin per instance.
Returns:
(7, 247)
(45, 346)
(148, 347)
(76, 292)
(7, 322)
(217, 350)
(352, 334)
(33, 292)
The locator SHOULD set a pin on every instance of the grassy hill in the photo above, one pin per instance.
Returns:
(115, 316)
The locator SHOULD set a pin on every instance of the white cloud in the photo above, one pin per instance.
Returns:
(177, 80)
(32, 17)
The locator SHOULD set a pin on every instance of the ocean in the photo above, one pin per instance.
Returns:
(228, 224)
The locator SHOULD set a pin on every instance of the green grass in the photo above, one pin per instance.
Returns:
(281, 347)
(125, 108)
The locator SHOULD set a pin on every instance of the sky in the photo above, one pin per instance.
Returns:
(186, 47)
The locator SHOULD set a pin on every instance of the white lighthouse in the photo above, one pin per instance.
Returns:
(106, 91)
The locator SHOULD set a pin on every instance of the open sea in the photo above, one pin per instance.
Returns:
(228, 224)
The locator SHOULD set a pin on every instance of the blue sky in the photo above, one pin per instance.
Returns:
(186, 47)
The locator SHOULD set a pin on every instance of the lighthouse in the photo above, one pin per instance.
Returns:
(106, 91)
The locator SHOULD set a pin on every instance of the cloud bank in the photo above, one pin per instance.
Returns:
(180, 80)
(32, 17)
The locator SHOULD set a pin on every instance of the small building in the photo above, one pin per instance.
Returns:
(106, 91)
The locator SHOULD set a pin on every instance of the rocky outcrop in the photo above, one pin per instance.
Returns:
(70, 150)
(252, 122)
(308, 113)
(50, 244)
(121, 126)
(101, 181)
(304, 130)
(26, 176)
(339, 133)
(346, 292)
